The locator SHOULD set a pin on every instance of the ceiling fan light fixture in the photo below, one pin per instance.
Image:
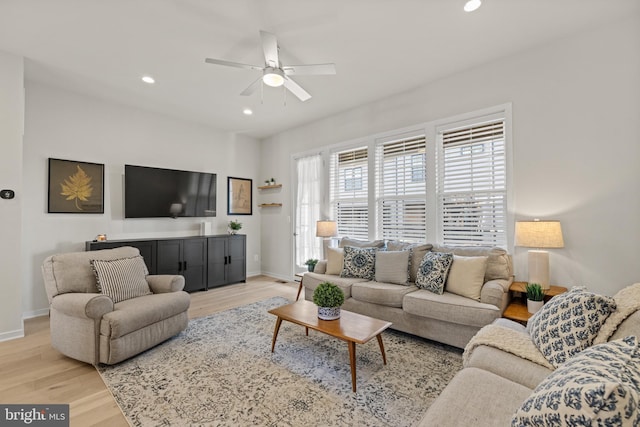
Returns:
(273, 77)
(472, 5)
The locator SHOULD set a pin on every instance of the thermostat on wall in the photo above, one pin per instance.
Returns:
(7, 194)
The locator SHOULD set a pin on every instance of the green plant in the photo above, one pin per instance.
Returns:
(328, 295)
(534, 292)
(311, 262)
(235, 225)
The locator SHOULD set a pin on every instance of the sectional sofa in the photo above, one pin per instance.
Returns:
(476, 292)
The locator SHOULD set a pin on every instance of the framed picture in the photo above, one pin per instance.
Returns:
(75, 187)
(239, 195)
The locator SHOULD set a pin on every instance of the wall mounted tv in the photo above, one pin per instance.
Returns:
(162, 193)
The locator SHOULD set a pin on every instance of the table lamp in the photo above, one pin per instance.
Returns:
(326, 229)
(541, 235)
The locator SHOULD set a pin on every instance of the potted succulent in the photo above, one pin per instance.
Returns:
(234, 226)
(535, 297)
(328, 297)
(311, 263)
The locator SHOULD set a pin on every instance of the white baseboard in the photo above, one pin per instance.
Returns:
(12, 335)
(36, 313)
(278, 276)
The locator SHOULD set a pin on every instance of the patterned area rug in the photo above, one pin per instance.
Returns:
(220, 372)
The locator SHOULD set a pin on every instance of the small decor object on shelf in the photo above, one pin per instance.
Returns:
(266, 182)
(535, 297)
(101, 238)
(272, 182)
(234, 227)
(328, 297)
(311, 263)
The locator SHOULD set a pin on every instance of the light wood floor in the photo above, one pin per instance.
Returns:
(32, 372)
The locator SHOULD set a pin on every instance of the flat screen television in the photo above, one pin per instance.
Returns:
(163, 193)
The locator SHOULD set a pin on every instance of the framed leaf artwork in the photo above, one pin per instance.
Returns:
(239, 196)
(75, 187)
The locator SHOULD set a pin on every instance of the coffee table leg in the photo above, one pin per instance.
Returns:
(352, 361)
(275, 333)
(384, 356)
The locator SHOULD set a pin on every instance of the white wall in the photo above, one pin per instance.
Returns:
(11, 121)
(66, 125)
(576, 139)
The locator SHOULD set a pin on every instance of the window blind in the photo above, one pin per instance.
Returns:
(401, 189)
(349, 192)
(472, 186)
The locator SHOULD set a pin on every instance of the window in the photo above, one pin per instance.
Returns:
(472, 189)
(349, 192)
(401, 189)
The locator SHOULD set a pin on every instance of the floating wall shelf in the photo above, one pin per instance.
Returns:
(270, 205)
(267, 187)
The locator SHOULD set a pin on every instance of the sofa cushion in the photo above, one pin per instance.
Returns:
(312, 280)
(134, 314)
(392, 267)
(475, 398)
(357, 243)
(569, 323)
(359, 262)
(335, 260)
(418, 252)
(381, 293)
(449, 308)
(433, 271)
(466, 276)
(121, 279)
(499, 264)
(598, 387)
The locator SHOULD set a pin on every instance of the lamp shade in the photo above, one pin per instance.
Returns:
(539, 234)
(326, 229)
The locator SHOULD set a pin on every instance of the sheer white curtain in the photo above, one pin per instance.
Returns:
(309, 198)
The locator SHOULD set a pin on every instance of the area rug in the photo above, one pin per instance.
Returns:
(220, 372)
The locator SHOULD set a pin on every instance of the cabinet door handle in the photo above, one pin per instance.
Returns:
(229, 259)
(184, 265)
(179, 265)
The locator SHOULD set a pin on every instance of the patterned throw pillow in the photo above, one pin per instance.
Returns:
(121, 279)
(598, 387)
(568, 323)
(433, 271)
(359, 262)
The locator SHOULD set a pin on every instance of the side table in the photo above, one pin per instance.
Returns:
(517, 308)
(301, 276)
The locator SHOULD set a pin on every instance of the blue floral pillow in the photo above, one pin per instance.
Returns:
(433, 271)
(598, 387)
(359, 262)
(569, 323)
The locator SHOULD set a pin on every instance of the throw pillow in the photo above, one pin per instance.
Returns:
(433, 271)
(356, 243)
(392, 267)
(359, 262)
(568, 323)
(466, 276)
(121, 279)
(598, 387)
(335, 260)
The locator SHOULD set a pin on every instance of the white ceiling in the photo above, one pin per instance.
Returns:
(380, 47)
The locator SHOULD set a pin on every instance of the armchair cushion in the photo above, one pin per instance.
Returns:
(121, 279)
(162, 283)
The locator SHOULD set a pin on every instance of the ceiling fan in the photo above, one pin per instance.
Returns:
(275, 74)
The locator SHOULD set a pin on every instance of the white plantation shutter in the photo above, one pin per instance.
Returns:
(401, 189)
(349, 192)
(472, 190)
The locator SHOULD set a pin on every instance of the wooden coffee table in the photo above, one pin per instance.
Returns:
(351, 327)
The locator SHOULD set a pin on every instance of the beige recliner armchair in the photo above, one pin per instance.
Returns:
(88, 326)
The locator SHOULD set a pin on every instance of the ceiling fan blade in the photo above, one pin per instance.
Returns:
(252, 87)
(270, 48)
(295, 88)
(232, 64)
(316, 69)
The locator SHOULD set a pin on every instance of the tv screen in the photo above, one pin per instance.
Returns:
(161, 193)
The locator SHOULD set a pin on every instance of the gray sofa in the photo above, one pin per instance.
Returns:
(448, 318)
(86, 325)
(494, 383)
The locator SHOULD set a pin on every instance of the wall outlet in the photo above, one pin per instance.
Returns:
(256, 257)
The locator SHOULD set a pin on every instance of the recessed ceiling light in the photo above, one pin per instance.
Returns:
(247, 112)
(472, 5)
(148, 79)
